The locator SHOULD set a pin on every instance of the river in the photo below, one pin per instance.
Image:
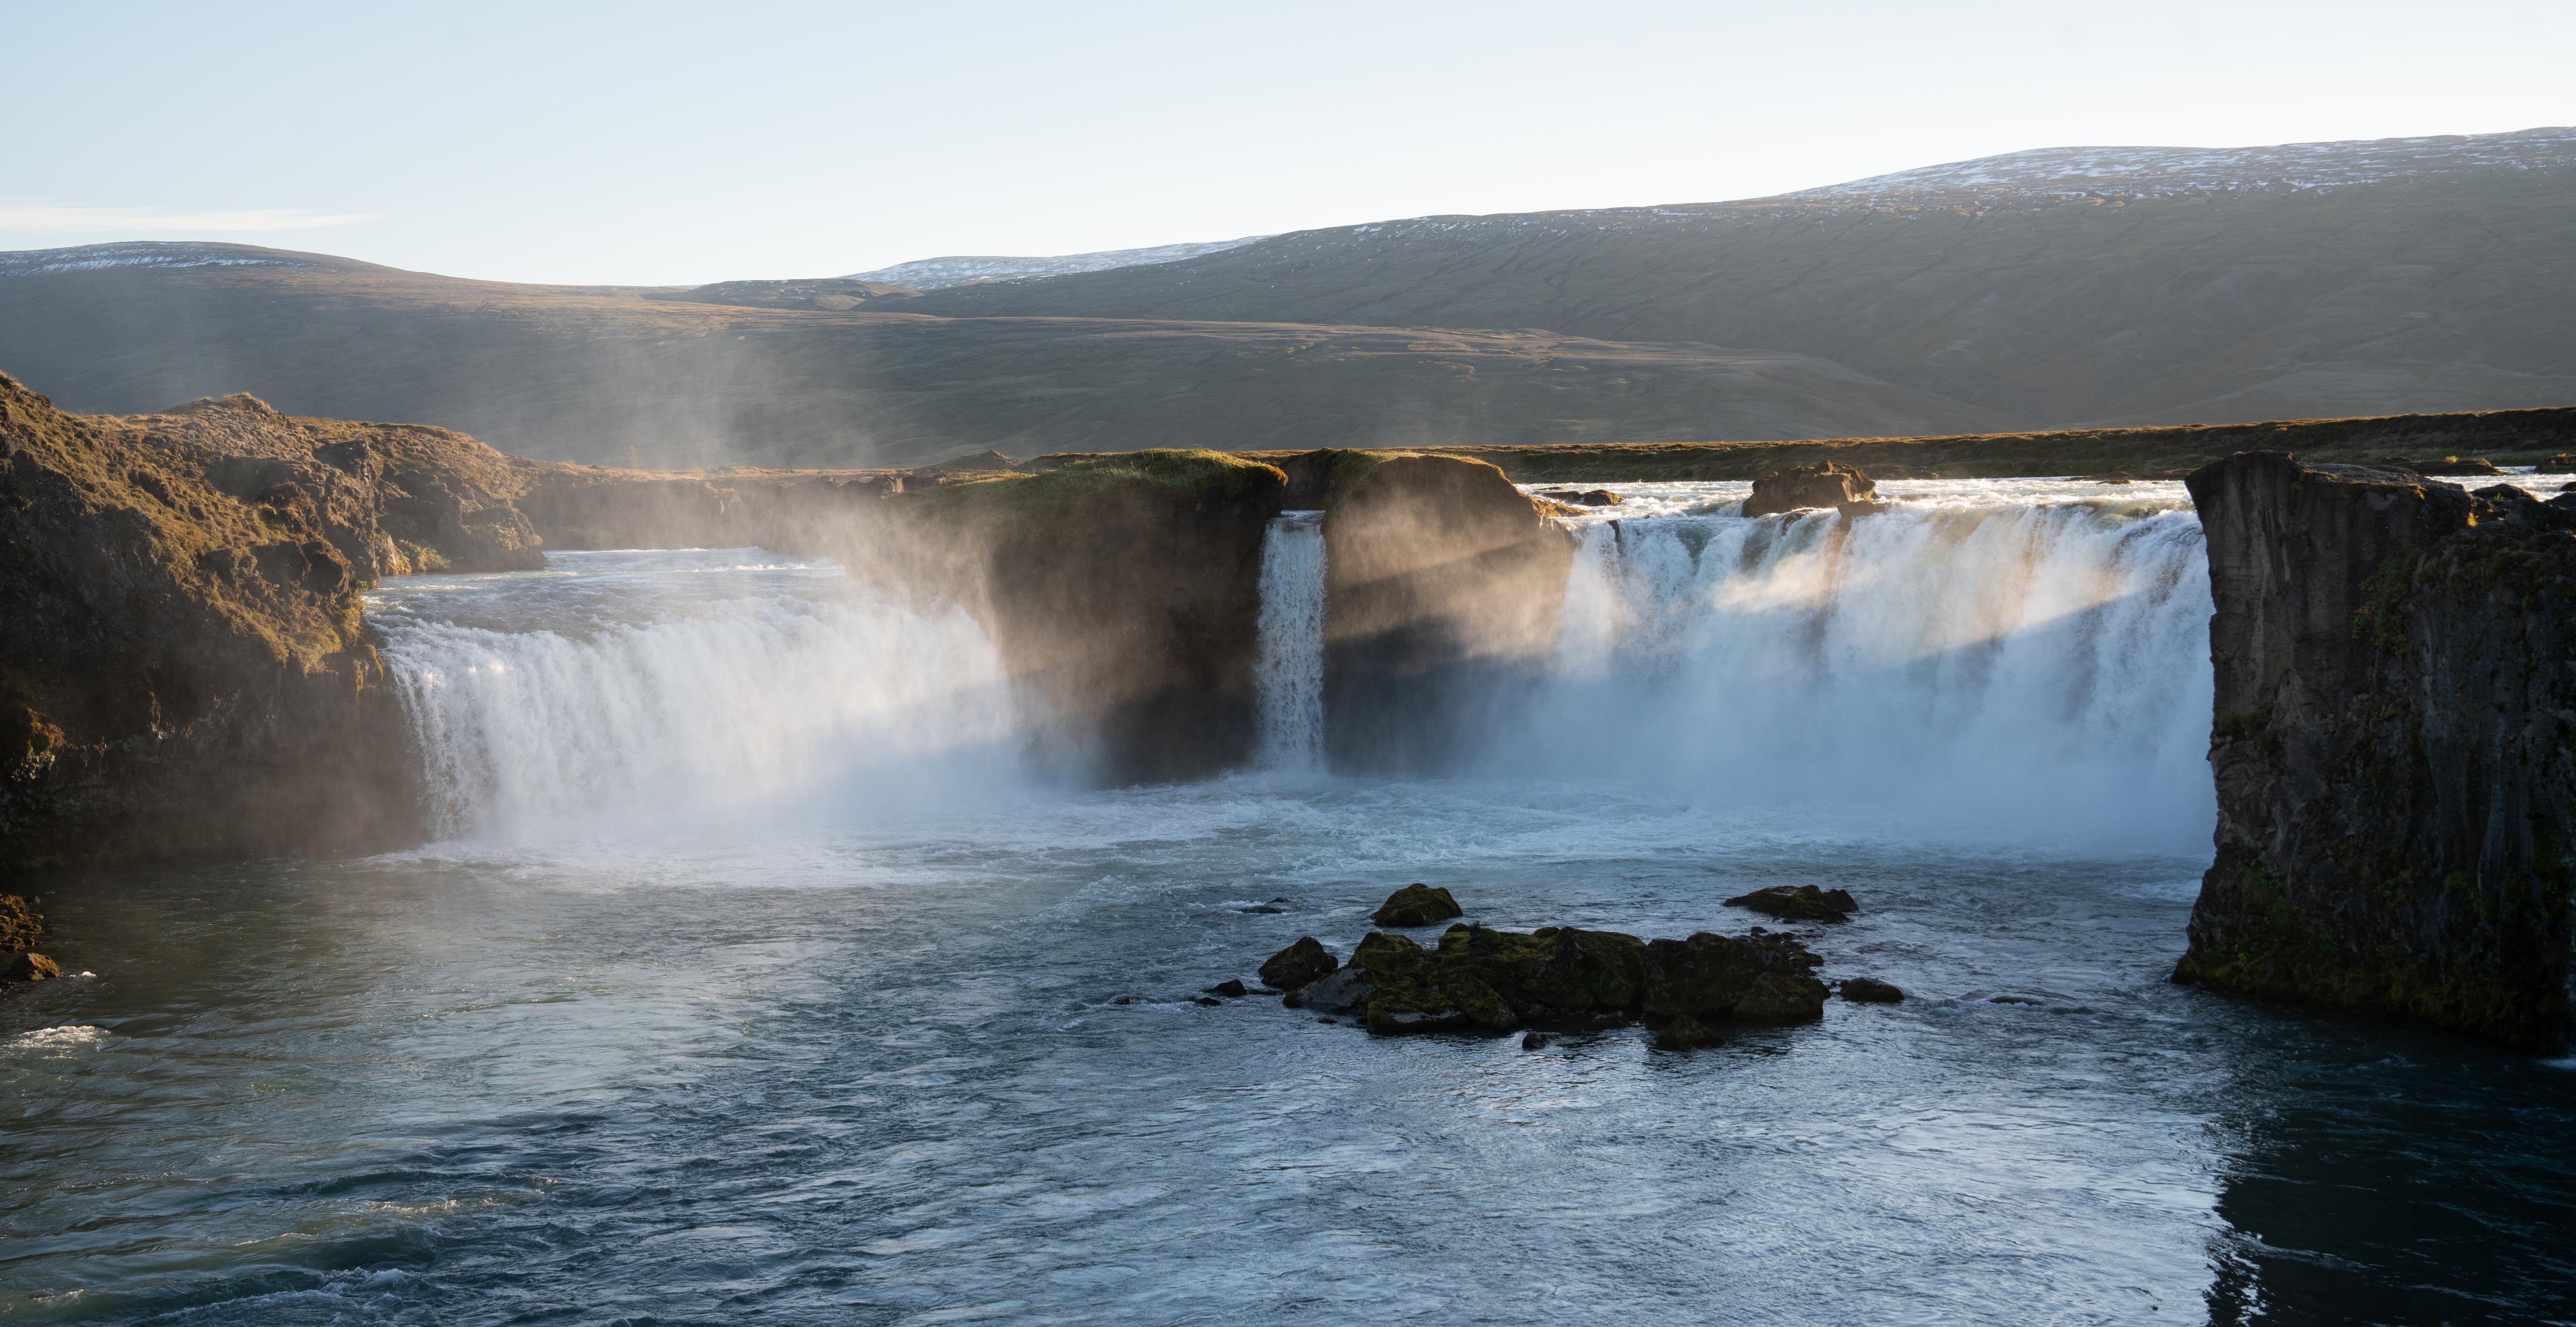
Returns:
(754, 978)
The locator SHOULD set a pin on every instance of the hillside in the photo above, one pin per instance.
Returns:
(2062, 287)
(710, 376)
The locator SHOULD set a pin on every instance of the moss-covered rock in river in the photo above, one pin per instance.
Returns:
(1298, 964)
(1864, 990)
(1766, 978)
(1798, 903)
(2394, 746)
(1417, 905)
(1481, 980)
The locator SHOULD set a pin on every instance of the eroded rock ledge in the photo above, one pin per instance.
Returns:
(184, 671)
(2396, 703)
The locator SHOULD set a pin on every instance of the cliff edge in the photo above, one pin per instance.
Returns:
(2396, 704)
(184, 670)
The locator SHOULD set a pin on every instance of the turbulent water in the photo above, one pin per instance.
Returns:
(753, 982)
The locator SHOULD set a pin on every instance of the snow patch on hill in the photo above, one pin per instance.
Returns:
(934, 273)
(135, 253)
(2063, 172)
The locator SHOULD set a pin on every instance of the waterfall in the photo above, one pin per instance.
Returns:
(1289, 675)
(2036, 668)
(648, 692)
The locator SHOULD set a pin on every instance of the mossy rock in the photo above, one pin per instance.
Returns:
(1766, 978)
(1781, 997)
(20, 923)
(1298, 964)
(30, 967)
(1417, 905)
(1863, 990)
(1798, 903)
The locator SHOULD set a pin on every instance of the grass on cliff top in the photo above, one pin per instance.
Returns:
(1220, 474)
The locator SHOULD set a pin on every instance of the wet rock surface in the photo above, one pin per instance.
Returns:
(1481, 980)
(1821, 484)
(1798, 903)
(1417, 905)
(1864, 990)
(1298, 964)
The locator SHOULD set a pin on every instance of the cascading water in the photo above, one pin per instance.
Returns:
(1289, 675)
(1975, 659)
(619, 691)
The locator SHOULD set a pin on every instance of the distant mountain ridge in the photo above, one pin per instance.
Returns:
(2164, 172)
(2059, 288)
(2065, 287)
(937, 273)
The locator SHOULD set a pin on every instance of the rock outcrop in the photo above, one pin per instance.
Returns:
(1818, 484)
(1442, 589)
(184, 670)
(1299, 964)
(1417, 905)
(1798, 903)
(2394, 745)
(1123, 591)
(1480, 980)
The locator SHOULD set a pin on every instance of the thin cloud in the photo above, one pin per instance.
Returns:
(31, 217)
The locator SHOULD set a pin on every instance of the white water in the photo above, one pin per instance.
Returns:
(1289, 675)
(2018, 656)
(627, 693)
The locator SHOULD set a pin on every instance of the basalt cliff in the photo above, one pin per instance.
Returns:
(2395, 747)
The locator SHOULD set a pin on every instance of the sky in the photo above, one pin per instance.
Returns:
(673, 145)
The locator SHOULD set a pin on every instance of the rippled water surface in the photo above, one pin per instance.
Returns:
(859, 1055)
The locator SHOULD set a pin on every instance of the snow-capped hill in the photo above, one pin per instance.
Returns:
(2066, 172)
(935, 273)
(140, 253)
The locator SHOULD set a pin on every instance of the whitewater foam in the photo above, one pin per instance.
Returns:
(1971, 657)
(1288, 676)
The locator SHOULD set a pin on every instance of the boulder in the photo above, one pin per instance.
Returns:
(1863, 990)
(1819, 484)
(1345, 991)
(30, 967)
(1764, 978)
(1298, 964)
(1798, 903)
(1229, 989)
(1417, 905)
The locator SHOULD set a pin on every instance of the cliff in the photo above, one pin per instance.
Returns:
(185, 671)
(2396, 699)
(1442, 586)
(1123, 593)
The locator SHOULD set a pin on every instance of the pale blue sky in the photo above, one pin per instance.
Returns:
(680, 144)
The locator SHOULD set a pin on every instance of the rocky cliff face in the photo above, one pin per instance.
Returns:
(1443, 584)
(184, 670)
(2395, 747)
(1123, 592)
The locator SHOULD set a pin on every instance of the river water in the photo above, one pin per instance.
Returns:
(753, 981)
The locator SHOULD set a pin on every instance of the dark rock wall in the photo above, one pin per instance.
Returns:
(1122, 593)
(1443, 585)
(2396, 702)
